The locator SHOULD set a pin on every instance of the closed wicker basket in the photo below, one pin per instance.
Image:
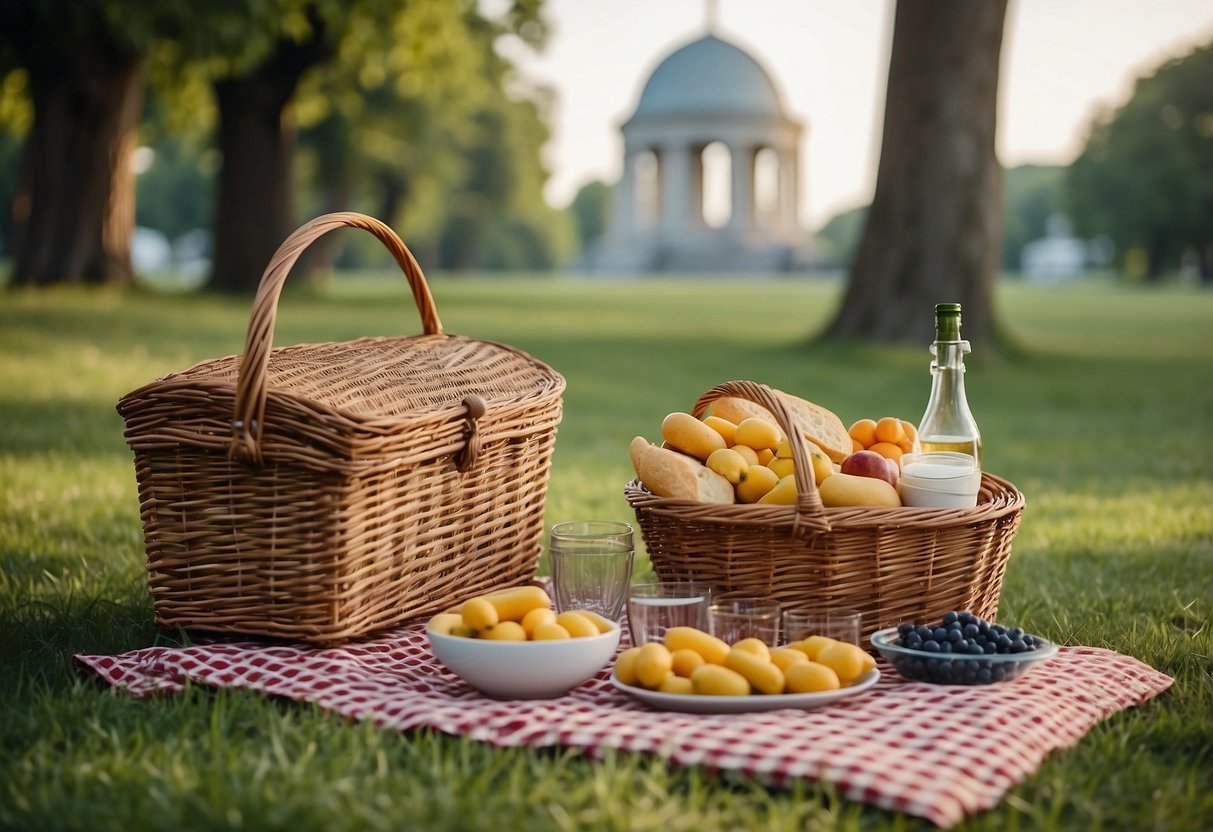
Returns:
(891, 564)
(324, 491)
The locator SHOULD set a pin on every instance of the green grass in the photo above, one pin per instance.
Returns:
(1104, 420)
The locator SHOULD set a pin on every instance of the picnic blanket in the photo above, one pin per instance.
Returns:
(886, 746)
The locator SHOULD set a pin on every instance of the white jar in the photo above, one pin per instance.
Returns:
(939, 479)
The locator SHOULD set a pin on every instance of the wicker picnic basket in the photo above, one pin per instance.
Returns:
(891, 564)
(321, 492)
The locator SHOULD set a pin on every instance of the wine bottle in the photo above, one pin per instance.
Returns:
(948, 424)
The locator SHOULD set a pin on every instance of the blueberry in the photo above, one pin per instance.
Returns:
(1003, 641)
(949, 617)
(939, 633)
(924, 633)
(999, 673)
(983, 627)
(913, 642)
(1017, 646)
(1015, 632)
(989, 648)
(955, 636)
(945, 647)
(984, 675)
(904, 628)
(970, 630)
(976, 649)
(967, 618)
(930, 646)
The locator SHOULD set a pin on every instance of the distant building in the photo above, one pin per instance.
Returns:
(1057, 256)
(707, 103)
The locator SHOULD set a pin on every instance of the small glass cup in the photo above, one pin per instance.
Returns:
(841, 625)
(731, 621)
(656, 606)
(591, 564)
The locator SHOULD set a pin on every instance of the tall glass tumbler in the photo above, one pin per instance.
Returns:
(591, 564)
(655, 607)
(739, 619)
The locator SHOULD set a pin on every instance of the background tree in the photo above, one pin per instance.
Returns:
(1145, 176)
(74, 205)
(932, 233)
(591, 212)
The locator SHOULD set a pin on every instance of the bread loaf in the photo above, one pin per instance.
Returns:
(669, 473)
(819, 425)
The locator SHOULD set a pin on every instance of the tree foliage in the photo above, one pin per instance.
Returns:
(1145, 177)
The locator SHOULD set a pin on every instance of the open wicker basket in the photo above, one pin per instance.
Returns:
(320, 492)
(891, 564)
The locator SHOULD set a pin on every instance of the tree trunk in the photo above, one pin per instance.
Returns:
(933, 232)
(75, 208)
(254, 205)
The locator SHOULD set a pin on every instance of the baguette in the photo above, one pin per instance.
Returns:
(819, 425)
(668, 473)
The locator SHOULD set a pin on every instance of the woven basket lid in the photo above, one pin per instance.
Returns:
(338, 395)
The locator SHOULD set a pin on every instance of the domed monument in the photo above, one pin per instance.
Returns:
(709, 107)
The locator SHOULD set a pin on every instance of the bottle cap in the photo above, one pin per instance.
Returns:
(947, 322)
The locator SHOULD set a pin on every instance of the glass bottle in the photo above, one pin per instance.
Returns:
(948, 424)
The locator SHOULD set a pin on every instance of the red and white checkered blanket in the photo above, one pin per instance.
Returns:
(884, 747)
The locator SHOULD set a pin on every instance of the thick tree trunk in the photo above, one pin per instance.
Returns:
(75, 210)
(254, 205)
(933, 232)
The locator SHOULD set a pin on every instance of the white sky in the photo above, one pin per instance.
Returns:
(1061, 61)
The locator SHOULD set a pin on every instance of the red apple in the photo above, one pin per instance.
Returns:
(869, 464)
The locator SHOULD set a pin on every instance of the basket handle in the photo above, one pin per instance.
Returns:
(810, 513)
(251, 390)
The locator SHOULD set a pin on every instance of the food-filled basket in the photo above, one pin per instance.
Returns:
(320, 492)
(890, 564)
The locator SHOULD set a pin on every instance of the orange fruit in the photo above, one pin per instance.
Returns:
(864, 432)
(889, 429)
(888, 450)
(856, 445)
(911, 439)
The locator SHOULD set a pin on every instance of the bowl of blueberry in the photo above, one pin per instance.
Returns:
(962, 649)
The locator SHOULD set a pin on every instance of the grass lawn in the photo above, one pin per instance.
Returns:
(1104, 420)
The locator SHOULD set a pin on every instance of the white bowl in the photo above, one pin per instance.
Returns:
(939, 479)
(525, 669)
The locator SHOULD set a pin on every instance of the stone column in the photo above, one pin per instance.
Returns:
(624, 209)
(741, 162)
(789, 191)
(675, 186)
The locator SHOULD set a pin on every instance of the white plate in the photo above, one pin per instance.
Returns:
(744, 704)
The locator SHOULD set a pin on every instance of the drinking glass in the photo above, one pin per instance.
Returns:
(656, 606)
(731, 621)
(841, 625)
(591, 564)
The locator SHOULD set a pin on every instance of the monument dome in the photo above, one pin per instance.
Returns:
(710, 76)
(708, 96)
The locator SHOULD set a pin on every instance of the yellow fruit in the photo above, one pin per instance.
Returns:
(506, 631)
(729, 464)
(810, 677)
(812, 645)
(603, 623)
(889, 429)
(911, 439)
(844, 659)
(577, 624)
(444, 622)
(765, 455)
(757, 433)
(850, 490)
(711, 648)
(715, 680)
(625, 666)
(653, 664)
(784, 451)
(747, 453)
(542, 615)
(677, 684)
(863, 431)
(782, 466)
(722, 426)
(785, 657)
(754, 646)
(762, 674)
(479, 614)
(684, 661)
(783, 494)
(514, 603)
(550, 632)
(687, 434)
(822, 465)
(759, 480)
